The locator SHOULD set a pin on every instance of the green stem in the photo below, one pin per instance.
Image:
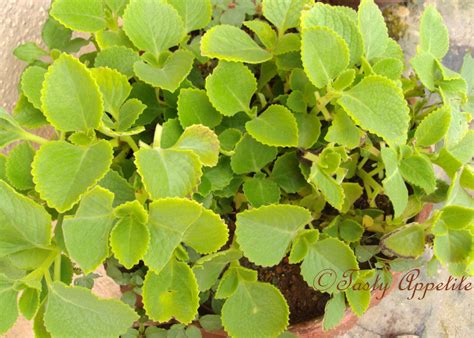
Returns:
(369, 180)
(57, 268)
(131, 142)
(34, 138)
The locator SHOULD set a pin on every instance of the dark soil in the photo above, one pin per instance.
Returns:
(305, 303)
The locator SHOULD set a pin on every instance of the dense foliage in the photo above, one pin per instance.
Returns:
(187, 138)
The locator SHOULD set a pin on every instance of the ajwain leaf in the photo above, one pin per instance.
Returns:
(373, 29)
(80, 15)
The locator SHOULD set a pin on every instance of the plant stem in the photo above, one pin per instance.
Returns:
(131, 142)
(57, 268)
(34, 138)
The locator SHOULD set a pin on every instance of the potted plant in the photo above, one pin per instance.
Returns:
(234, 175)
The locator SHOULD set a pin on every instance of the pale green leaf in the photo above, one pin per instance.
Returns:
(425, 66)
(463, 150)
(170, 133)
(29, 52)
(80, 15)
(263, 31)
(391, 68)
(287, 174)
(372, 111)
(62, 172)
(230, 43)
(196, 14)
(229, 138)
(171, 293)
(454, 246)
(328, 254)
(309, 129)
(231, 279)
(261, 191)
(434, 37)
(255, 310)
(23, 223)
(73, 311)
(373, 29)
(276, 126)
(207, 269)
(119, 186)
(27, 115)
(10, 130)
(407, 241)
(231, 97)
(457, 217)
(344, 80)
(418, 170)
(146, 32)
(87, 233)
(433, 127)
(265, 233)
(8, 304)
(332, 17)
(358, 299)
(251, 156)
(301, 244)
(114, 87)
(194, 107)
(174, 70)
(352, 192)
(180, 171)
(334, 311)
(119, 58)
(18, 166)
(283, 14)
(329, 187)
(343, 131)
(202, 141)
(350, 230)
(31, 83)
(130, 236)
(29, 303)
(324, 54)
(393, 183)
(128, 114)
(70, 97)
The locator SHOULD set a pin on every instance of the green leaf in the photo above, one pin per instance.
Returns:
(344, 80)
(79, 15)
(171, 293)
(457, 217)
(263, 31)
(231, 97)
(130, 236)
(334, 311)
(309, 129)
(23, 223)
(18, 166)
(31, 82)
(27, 115)
(265, 233)
(195, 14)
(283, 14)
(268, 126)
(230, 43)
(10, 130)
(261, 191)
(251, 156)
(418, 170)
(202, 141)
(324, 54)
(287, 174)
(454, 246)
(29, 52)
(352, 192)
(174, 70)
(372, 111)
(149, 34)
(331, 17)
(231, 279)
(255, 310)
(119, 58)
(114, 87)
(194, 107)
(8, 304)
(128, 114)
(87, 315)
(119, 186)
(174, 220)
(407, 241)
(301, 244)
(350, 230)
(359, 299)
(170, 133)
(393, 183)
(343, 131)
(86, 235)
(391, 68)
(426, 67)
(373, 29)
(29, 303)
(207, 269)
(324, 255)
(180, 171)
(433, 127)
(434, 37)
(329, 187)
(83, 108)
(62, 172)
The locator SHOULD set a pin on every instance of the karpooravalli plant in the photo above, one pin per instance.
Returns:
(218, 156)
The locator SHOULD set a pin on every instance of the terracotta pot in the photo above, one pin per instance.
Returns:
(314, 328)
